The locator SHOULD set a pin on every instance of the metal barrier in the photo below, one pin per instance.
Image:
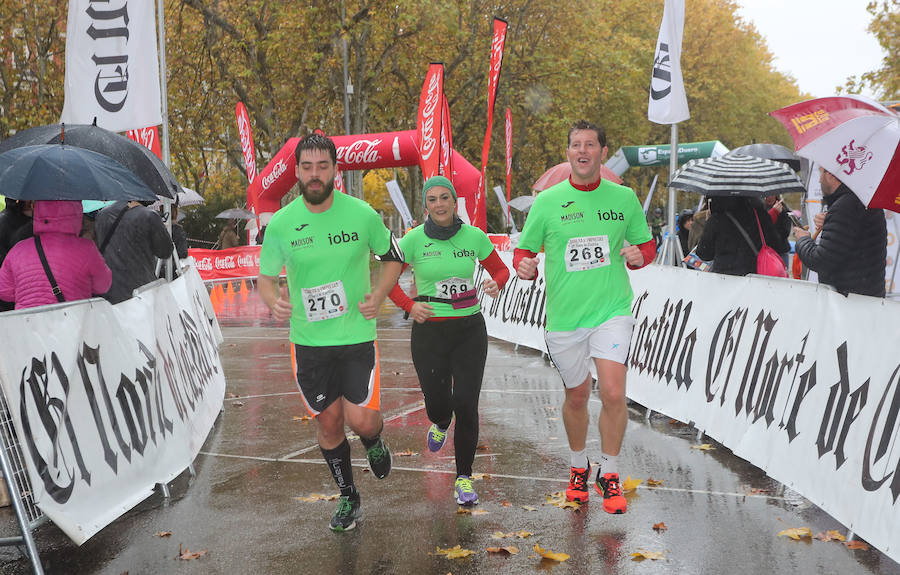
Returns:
(12, 462)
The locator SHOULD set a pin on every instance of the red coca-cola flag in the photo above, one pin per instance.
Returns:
(497, 44)
(508, 162)
(446, 140)
(147, 137)
(428, 122)
(247, 149)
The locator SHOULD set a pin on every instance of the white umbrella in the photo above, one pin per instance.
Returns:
(188, 197)
(855, 139)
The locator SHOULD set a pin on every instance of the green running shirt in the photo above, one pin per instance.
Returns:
(443, 268)
(326, 257)
(581, 234)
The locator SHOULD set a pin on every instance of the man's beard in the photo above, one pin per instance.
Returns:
(316, 197)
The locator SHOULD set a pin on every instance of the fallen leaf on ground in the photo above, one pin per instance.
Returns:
(230, 395)
(352, 437)
(630, 484)
(238, 404)
(407, 453)
(641, 554)
(529, 508)
(502, 535)
(312, 497)
(186, 554)
(469, 511)
(505, 503)
(857, 544)
(559, 499)
(482, 447)
(477, 476)
(797, 533)
(163, 533)
(654, 482)
(756, 491)
(704, 447)
(659, 527)
(511, 550)
(456, 552)
(677, 423)
(548, 554)
(302, 418)
(830, 535)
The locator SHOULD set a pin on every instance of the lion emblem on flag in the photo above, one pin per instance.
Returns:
(853, 157)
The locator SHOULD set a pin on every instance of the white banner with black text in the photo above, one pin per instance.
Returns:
(112, 67)
(107, 401)
(795, 378)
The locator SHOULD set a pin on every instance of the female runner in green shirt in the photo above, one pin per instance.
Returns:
(449, 338)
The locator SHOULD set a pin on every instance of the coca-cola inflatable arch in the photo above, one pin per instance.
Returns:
(362, 152)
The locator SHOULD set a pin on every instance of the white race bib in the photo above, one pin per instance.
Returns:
(452, 286)
(326, 301)
(587, 253)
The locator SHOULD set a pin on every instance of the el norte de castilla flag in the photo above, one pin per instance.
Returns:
(668, 101)
(112, 71)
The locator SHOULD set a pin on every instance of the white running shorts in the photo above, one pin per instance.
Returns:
(571, 351)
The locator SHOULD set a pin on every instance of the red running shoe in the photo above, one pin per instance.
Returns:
(577, 489)
(608, 487)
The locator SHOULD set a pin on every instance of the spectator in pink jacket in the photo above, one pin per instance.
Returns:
(76, 264)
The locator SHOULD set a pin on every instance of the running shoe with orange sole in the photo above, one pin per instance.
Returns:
(608, 487)
(577, 489)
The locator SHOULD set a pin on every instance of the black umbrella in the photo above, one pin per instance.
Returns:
(134, 156)
(236, 214)
(60, 172)
(736, 175)
(770, 152)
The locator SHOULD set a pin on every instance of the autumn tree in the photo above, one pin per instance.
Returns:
(883, 82)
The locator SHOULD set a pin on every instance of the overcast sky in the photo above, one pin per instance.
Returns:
(819, 42)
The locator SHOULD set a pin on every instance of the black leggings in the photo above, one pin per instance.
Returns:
(449, 357)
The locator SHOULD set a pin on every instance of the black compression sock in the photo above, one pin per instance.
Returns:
(338, 460)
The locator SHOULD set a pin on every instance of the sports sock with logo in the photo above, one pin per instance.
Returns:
(609, 464)
(338, 460)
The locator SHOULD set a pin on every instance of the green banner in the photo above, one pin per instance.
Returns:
(641, 156)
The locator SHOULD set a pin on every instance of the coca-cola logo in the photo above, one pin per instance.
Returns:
(245, 261)
(247, 147)
(204, 264)
(497, 53)
(225, 263)
(431, 101)
(359, 152)
(279, 168)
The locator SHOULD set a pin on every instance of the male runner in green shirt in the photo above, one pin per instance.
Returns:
(582, 225)
(323, 241)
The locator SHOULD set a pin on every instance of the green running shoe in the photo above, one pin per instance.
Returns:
(379, 457)
(346, 514)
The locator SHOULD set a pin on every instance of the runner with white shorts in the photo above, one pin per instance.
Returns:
(589, 229)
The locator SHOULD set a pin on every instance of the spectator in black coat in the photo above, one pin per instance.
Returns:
(131, 237)
(724, 244)
(852, 245)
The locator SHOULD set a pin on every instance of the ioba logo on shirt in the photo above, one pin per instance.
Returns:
(342, 237)
(610, 215)
(463, 253)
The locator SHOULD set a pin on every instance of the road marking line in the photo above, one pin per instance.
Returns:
(364, 465)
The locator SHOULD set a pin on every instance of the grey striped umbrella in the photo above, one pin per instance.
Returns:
(736, 175)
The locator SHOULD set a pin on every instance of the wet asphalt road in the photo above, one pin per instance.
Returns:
(722, 514)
